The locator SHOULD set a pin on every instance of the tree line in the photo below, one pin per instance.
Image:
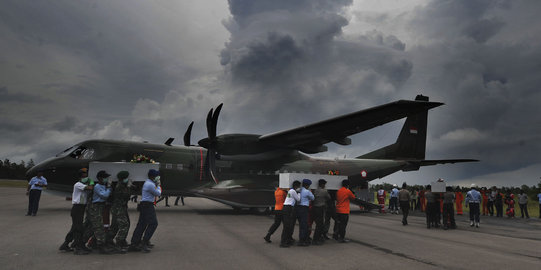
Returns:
(12, 170)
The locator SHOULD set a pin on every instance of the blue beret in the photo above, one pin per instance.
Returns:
(306, 182)
(153, 172)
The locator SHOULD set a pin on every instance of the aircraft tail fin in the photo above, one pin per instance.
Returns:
(411, 143)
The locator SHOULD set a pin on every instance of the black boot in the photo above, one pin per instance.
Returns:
(135, 247)
(267, 238)
(65, 247)
(146, 247)
(80, 251)
(122, 245)
(104, 249)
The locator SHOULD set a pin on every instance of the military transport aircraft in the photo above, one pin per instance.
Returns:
(242, 170)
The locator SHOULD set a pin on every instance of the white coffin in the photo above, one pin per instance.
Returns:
(438, 186)
(138, 171)
(334, 182)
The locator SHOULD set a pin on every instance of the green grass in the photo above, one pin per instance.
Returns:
(13, 183)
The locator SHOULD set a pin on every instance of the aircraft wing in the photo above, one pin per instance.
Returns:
(311, 138)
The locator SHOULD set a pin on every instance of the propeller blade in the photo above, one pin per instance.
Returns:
(215, 119)
(210, 142)
(169, 141)
(209, 125)
(188, 135)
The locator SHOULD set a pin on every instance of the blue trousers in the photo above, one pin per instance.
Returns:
(474, 212)
(146, 224)
(302, 216)
(33, 201)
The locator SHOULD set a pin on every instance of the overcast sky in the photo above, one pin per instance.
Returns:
(143, 70)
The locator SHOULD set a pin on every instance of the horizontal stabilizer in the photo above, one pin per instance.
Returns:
(416, 164)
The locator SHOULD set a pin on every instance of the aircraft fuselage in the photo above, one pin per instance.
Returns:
(183, 169)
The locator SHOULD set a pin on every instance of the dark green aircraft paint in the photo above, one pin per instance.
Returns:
(242, 170)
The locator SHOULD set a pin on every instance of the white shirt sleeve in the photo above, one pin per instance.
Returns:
(295, 195)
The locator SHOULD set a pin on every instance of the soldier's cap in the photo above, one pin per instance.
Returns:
(102, 174)
(83, 171)
(322, 182)
(153, 173)
(345, 182)
(473, 185)
(122, 175)
(306, 182)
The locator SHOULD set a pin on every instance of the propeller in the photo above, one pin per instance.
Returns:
(188, 135)
(210, 142)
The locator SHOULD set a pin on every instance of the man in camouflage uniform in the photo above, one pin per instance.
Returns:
(120, 223)
(102, 191)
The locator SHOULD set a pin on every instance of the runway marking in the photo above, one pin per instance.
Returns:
(458, 242)
(402, 255)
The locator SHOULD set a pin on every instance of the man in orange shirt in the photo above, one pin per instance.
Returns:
(484, 195)
(343, 196)
(280, 197)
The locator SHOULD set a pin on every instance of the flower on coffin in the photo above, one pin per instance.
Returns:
(141, 159)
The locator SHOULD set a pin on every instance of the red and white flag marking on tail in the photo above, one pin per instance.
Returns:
(413, 130)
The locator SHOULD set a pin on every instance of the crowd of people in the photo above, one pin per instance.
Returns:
(95, 203)
(440, 207)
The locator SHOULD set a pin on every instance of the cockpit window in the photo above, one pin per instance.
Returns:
(83, 152)
(78, 152)
(67, 151)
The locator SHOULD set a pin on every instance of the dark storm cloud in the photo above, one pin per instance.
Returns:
(125, 65)
(7, 96)
(289, 59)
(461, 18)
(268, 61)
(487, 80)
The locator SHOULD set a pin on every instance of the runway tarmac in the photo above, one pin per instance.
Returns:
(207, 235)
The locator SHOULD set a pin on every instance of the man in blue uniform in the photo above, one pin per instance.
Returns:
(102, 191)
(473, 199)
(147, 222)
(33, 191)
(302, 212)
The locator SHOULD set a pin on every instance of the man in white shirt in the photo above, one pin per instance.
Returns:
(289, 215)
(79, 200)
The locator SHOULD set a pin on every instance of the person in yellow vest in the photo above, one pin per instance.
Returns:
(459, 198)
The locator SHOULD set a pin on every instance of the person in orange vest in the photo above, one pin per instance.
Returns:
(343, 196)
(459, 198)
(484, 195)
(422, 200)
(279, 197)
(381, 200)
